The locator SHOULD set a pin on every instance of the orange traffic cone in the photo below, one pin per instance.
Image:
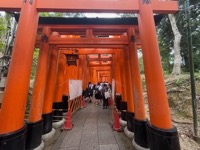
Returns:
(116, 125)
(68, 123)
(83, 103)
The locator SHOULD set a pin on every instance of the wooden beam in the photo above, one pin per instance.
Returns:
(99, 59)
(88, 46)
(54, 40)
(129, 6)
(87, 51)
(102, 65)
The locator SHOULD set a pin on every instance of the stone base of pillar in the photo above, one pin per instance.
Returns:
(130, 125)
(13, 140)
(137, 147)
(48, 136)
(47, 123)
(163, 139)
(58, 124)
(128, 133)
(58, 111)
(65, 103)
(34, 134)
(123, 115)
(40, 147)
(118, 99)
(122, 123)
(140, 133)
(123, 105)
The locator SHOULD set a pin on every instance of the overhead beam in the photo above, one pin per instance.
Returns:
(88, 46)
(87, 51)
(100, 68)
(102, 65)
(99, 59)
(129, 6)
(54, 40)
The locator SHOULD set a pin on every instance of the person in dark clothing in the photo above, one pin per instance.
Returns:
(89, 91)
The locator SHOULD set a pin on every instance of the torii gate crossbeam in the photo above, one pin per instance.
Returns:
(129, 6)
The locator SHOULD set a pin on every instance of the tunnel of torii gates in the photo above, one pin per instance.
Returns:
(106, 51)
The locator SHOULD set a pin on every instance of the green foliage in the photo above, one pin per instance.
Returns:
(34, 64)
(179, 81)
(68, 15)
(166, 37)
(2, 32)
(197, 75)
(50, 14)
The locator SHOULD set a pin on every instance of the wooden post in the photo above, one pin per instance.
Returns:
(58, 104)
(140, 132)
(17, 85)
(35, 122)
(50, 91)
(160, 119)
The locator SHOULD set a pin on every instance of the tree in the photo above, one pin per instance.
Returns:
(2, 32)
(177, 39)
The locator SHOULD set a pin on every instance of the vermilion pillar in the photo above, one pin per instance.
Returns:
(34, 125)
(117, 77)
(160, 119)
(128, 107)
(117, 73)
(13, 107)
(137, 84)
(57, 102)
(66, 81)
(60, 78)
(140, 133)
(125, 96)
(50, 91)
(129, 89)
(84, 72)
(80, 67)
(123, 84)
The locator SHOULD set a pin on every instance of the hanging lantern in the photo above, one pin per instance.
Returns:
(71, 59)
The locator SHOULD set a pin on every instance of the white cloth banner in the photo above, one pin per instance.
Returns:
(75, 88)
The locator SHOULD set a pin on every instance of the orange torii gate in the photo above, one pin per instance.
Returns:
(161, 133)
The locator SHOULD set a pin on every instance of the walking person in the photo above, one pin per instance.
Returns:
(98, 94)
(89, 91)
(106, 97)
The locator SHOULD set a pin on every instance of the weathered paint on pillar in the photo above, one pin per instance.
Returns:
(122, 70)
(117, 73)
(40, 80)
(17, 85)
(84, 72)
(80, 67)
(50, 81)
(137, 83)
(156, 91)
(60, 77)
(66, 81)
(128, 81)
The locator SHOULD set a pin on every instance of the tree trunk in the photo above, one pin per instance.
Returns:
(177, 39)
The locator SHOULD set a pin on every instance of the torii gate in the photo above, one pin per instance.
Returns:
(159, 128)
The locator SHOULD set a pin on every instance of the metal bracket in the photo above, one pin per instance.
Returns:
(31, 2)
(132, 39)
(44, 38)
(146, 1)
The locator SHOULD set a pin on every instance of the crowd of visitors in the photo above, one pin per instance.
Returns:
(100, 92)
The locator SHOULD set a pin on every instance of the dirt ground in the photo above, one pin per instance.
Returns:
(179, 96)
